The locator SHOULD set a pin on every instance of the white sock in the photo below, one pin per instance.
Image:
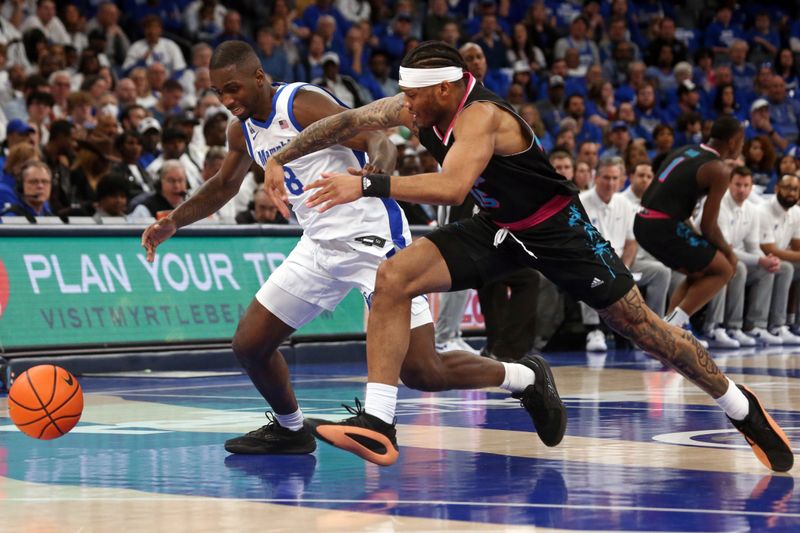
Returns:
(380, 401)
(677, 317)
(517, 377)
(734, 402)
(293, 421)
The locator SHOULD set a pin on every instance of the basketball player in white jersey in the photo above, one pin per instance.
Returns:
(340, 249)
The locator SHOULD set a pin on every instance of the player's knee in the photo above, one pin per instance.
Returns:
(248, 351)
(390, 280)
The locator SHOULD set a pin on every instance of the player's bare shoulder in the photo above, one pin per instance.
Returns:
(236, 140)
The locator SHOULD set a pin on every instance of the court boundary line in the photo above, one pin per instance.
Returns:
(627, 508)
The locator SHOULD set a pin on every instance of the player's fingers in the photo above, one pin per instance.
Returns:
(355, 171)
(316, 184)
(317, 198)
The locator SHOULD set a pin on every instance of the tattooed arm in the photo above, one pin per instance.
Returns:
(336, 129)
(209, 198)
(355, 128)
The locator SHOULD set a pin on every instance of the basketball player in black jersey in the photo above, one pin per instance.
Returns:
(530, 217)
(662, 228)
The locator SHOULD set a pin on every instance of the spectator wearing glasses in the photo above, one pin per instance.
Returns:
(35, 186)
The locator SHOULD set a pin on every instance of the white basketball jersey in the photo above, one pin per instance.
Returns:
(373, 225)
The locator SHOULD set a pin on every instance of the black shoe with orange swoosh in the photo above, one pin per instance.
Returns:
(363, 434)
(764, 435)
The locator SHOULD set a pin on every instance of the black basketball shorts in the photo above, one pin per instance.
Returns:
(674, 243)
(566, 248)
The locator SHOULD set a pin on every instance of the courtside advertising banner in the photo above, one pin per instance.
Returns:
(73, 290)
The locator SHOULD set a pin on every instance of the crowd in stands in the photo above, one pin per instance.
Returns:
(106, 108)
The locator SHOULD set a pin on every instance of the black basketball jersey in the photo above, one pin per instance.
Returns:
(675, 190)
(512, 187)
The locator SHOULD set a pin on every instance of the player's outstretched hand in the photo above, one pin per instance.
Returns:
(275, 187)
(155, 234)
(367, 169)
(334, 189)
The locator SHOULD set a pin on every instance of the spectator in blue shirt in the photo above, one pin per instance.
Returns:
(491, 41)
(689, 129)
(551, 109)
(725, 103)
(575, 108)
(486, 8)
(648, 115)
(394, 41)
(626, 114)
(784, 112)
(319, 8)
(744, 73)
(382, 84)
(721, 32)
(615, 69)
(626, 92)
(761, 125)
(36, 184)
(688, 102)
(759, 157)
(786, 67)
(232, 30)
(764, 40)
(273, 58)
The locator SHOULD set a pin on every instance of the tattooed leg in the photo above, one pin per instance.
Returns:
(675, 347)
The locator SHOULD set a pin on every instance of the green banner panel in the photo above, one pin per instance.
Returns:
(80, 290)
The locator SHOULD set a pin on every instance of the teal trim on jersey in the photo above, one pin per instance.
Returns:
(247, 140)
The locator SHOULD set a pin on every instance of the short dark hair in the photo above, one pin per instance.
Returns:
(433, 54)
(120, 139)
(60, 128)
(741, 170)
(112, 184)
(725, 128)
(126, 111)
(559, 153)
(171, 85)
(38, 97)
(233, 53)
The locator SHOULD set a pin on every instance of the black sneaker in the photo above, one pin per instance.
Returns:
(767, 439)
(273, 439)
(363, 434)
(542, 402)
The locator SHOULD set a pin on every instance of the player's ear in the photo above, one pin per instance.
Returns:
(260, 76)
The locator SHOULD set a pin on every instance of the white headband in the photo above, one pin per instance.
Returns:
(413, 78)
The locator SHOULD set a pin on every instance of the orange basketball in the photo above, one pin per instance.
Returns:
(45, 402)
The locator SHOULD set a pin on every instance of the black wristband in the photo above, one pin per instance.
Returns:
(376, 185)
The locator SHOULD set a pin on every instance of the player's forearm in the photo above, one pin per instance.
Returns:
(208, 199)
(431, 188)
(629, 253)
(785, 255)
(336, 129)
(382, 153)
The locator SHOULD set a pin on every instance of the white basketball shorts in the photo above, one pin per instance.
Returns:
(315, 277)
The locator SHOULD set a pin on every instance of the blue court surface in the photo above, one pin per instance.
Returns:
(645, 451)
